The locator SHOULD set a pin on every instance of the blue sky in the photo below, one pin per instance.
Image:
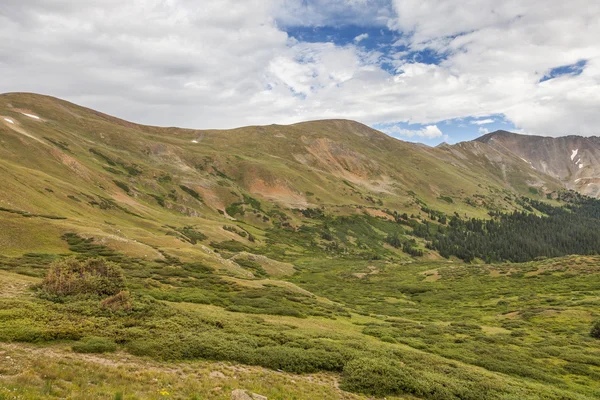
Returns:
(453, 130)
(420, 70)
(382, 39)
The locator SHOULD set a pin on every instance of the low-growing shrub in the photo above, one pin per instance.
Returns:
(595, 332)
(94, 345)
(377, 377)
(121, 301)
(122, 185)
(96, 276)
(191, 192)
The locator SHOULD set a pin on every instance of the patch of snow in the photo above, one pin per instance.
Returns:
(578, 161)
(31, 116)
(580, 166)
(573, 154)
(577, 180)
(194, 141)
(10, 121)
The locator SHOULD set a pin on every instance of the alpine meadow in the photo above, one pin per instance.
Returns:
(299, 200)
(328, 261)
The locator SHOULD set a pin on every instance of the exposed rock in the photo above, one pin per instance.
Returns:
(573, 160)
(239, 394)
(216, 374)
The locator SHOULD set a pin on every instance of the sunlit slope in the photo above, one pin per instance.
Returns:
(95, 174)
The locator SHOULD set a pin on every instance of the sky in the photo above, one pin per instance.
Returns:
(420, 70)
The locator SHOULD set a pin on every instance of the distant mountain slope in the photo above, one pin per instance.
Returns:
(500, 165)
(130, 184)
(573, 160)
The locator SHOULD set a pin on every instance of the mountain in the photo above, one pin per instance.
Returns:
(573, 160)
(95, 171)
(319, 260)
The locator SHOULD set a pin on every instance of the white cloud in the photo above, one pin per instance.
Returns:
(225, 63)
(483, 130)
(427, 132)
(497, 53)
(360, 37)
(483, 121)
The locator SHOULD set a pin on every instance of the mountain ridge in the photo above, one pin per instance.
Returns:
(573, 160)
(88, 167)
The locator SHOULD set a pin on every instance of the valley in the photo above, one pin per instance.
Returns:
(322, 259)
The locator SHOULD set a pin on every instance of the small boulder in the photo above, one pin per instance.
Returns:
(239, 394)
(216, 374)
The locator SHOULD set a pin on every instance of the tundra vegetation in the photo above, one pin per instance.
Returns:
(329, 261)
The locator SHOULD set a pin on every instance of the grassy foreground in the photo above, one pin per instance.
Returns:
(33, 372)
(433, 330)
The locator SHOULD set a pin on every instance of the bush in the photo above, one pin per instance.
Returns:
(94, 345)
(191, 192)
(123, 186)
(377, 377)
(595, 332)
(71, 276)
(121, 301)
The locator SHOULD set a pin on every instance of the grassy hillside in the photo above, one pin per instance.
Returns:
(82, 171)
(290, 261)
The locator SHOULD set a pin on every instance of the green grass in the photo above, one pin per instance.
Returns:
(352, 309)
(472, 331)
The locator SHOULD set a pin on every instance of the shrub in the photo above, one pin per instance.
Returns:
(71, 276)
(595, 332)
(193, 236)
(191, 192)
(122, 185)
(94, 345)
(255, 267)
(229, 245)
(377, 377)
(121, 301)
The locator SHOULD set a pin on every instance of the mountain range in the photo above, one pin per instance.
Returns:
(94, 171)
(319, 260)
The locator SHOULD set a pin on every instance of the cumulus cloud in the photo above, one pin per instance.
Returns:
(225, 63)
(427, 132)
(483, 121)
(496, 54)
(360, 37)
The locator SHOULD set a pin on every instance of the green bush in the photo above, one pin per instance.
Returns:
(122, 185)
(94, 345)
(239, 348)
(70, 276)
(377, 377)
(595, 332)
(191, 192)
